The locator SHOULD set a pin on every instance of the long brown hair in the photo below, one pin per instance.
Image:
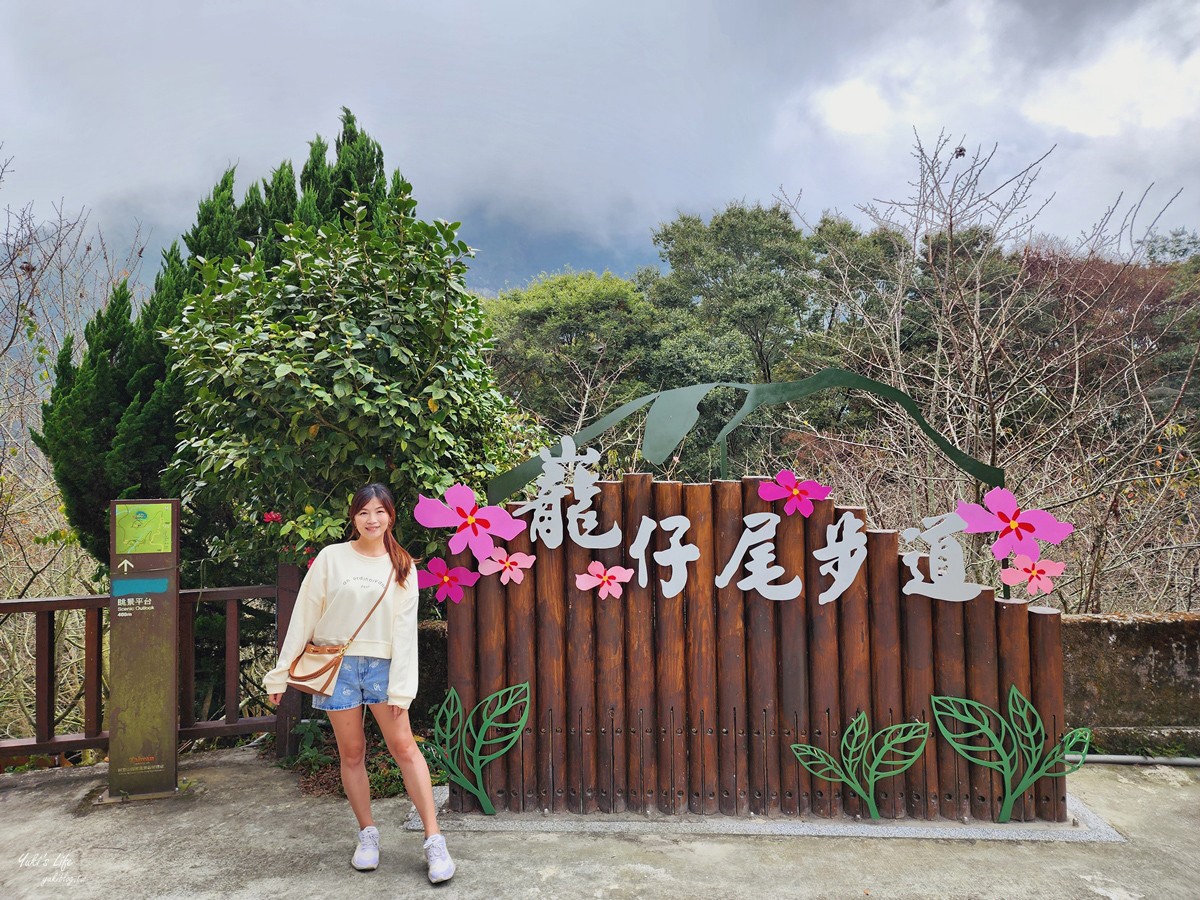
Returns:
(402, 562)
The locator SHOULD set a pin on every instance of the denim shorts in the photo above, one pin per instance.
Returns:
(361, 679)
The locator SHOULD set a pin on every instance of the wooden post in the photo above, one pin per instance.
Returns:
(287, 714)
(887, 688)
(701, 616)
(854, 652)
(581, 684)
(460, 664)
(610, 665)
(551, 676)
(950, 680)
(521, 629)
(45, 675)
(1046, 657)
(672, 700)
(917, 624)
(93, 667)
(491, 641)
(983, 687)
(795, 785)
(762, 680)
(825, 716)
(187, 650)
(1012, 641)
(642, 743)
(233, 658)
(733, 773)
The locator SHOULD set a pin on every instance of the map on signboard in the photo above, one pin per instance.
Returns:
(144, 528)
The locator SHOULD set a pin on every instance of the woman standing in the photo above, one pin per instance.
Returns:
(379, 669)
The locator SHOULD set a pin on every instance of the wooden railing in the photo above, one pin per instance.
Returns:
(95, 608)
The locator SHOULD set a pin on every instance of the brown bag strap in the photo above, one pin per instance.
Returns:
(386, 586)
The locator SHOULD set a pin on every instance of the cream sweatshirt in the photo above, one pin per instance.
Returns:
(336, 594)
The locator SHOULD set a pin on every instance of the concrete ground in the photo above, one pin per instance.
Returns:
(245, 830)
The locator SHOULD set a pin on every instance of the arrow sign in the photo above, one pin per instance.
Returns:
(125, 565)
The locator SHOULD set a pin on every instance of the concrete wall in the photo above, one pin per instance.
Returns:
(1134, 680)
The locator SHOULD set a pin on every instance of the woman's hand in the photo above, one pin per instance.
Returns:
(274, 699)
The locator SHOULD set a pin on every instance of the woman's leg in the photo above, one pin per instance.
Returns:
(352, 748)
(403, 746)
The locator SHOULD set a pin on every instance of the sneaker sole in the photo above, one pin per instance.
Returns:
(364, 868)
(433, 880)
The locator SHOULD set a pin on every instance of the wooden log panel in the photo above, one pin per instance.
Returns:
(983, 687)
(854, 651)
(795, 784)
(1012, 642)
(581, 683)
(642, 742)
(733, 763)
(671, 668)
(520, 602)
(700, 615)
(1046, 675)
(887, 686)
(917, 629)
(551, 718)
(825, 715)
(950, 680)
(461, 664)
(491, 643)
(610, 664)
(762, 678)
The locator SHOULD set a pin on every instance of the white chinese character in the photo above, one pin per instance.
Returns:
(947, 571)
(758, 538)
(845, 554)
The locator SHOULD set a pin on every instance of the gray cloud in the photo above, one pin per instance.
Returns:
(569, 129)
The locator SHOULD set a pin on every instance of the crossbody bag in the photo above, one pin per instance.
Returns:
(315, 670)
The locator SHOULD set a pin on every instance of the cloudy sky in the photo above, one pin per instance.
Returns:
(561, 132)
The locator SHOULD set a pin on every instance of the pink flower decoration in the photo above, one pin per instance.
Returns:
(799, 495)
(474, 527)
(1020, 529)
(449, 582)
(610, 580)
(1034, 574)
(509, 565)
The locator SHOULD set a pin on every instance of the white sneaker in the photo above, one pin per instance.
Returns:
(366, 857)
(441, 866)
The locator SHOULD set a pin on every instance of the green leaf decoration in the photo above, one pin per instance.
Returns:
(890, 742)
(856, 771)
(671, 417)
(819, 763)
(479, 748)
(468, 738)
(1022, 737)
(1077, 741)
(854, 743)
(447, 724)
(1027, 726)
(978, 722)
(669, 422)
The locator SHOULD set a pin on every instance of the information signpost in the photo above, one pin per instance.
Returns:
(143, 639)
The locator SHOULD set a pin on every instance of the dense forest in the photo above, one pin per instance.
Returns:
(319, 334)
